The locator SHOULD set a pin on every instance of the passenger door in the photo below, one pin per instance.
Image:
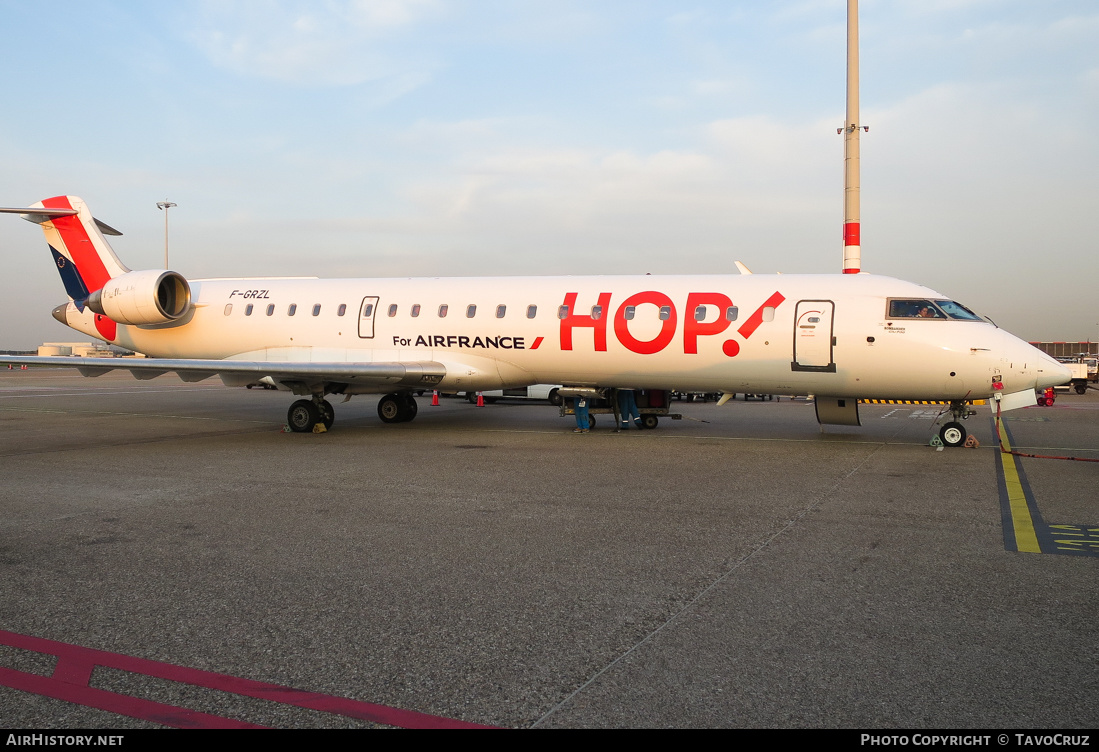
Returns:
(366, 316)
(813, 339)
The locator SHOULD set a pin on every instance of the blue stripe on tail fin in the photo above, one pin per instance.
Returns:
(70, 277)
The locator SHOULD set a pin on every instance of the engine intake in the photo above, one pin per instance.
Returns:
(153, 296)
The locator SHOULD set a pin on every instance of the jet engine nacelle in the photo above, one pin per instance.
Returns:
(153, 296)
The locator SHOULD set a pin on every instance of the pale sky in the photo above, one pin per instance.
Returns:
(480, 137)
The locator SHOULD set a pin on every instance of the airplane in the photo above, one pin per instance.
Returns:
(841, 337)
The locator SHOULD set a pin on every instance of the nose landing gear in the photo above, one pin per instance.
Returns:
(953, 434)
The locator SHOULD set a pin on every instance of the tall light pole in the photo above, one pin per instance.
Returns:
(852, 235)
(165, 205)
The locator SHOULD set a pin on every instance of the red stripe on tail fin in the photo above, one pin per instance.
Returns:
(82, 242)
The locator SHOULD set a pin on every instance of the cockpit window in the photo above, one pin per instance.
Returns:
(918, 308)
(958, 311)
(914, 309)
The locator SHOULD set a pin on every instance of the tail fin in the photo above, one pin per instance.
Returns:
(77, 238)
(83, 257)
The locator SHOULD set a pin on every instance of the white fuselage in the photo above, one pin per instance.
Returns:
(789, 334)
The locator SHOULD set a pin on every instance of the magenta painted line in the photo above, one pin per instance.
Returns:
(134, 707)
(74, 668)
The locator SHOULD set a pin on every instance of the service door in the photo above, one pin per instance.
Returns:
(366, 316)
(813, 339)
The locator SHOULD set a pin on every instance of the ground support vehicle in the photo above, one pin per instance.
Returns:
(1080, 376)
(652, 404)
(697, 396)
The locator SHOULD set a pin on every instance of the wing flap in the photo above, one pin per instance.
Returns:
(423, 374)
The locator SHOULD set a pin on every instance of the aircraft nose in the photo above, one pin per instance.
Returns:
(1052, 373)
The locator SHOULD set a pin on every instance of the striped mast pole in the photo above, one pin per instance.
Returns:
(852, 241)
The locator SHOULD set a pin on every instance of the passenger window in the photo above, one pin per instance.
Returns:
(665, 312)
(730, 313)
(368, 310)
(442, 310)
(532, 311)
(630, 312)
(700, 313)
(597, 312)
(317, 309)
(392, 310)
(292, 309)
(769, 313)
(342, 309)
(471, 311)
(271, 309)
(415, 310)
(500, 311)
(228, 308)
(248, 310)
(563, 312)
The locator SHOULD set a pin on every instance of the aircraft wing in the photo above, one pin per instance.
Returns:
(300, 374)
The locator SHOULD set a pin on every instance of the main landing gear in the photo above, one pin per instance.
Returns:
(397, 408)
(304, 415)
(953, 434)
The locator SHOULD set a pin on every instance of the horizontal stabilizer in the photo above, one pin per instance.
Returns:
(40, 216)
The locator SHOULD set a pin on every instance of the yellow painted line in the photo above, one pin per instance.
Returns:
(1026, 539)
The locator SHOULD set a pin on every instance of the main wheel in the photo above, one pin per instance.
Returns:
(410, 408)
(302, 416)
(328, 415)
(390, 408)
(649, 421)
(953, 434)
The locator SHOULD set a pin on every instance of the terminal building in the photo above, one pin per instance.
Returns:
(1068, 349)
(81, 350)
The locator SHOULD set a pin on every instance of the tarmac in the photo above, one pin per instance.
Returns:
(741, 567)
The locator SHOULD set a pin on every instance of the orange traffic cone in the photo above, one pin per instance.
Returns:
(435, 398)
(480, 400)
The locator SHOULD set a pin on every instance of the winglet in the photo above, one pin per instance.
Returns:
(743, 269)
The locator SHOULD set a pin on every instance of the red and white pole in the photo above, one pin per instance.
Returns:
(852, 241)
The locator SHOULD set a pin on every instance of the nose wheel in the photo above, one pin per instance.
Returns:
(953, 434)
